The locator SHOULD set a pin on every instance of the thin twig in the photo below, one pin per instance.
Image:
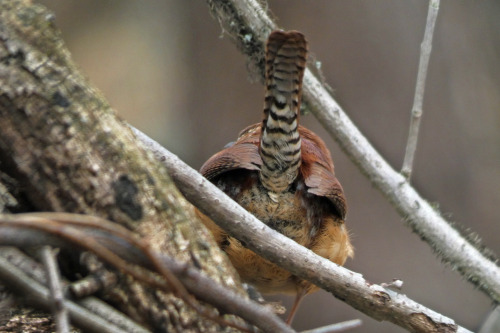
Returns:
(35, 271)
(417, 109)
(180, 277)
(351, 287)
(248, 16)
(122, 249)
(338, 327)
(101, 279)
(58, 303)
(170, 283)
(40, 296)
(116, 318)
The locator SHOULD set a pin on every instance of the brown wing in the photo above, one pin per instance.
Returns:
(317, 166)
(243, 154)
(318, 171)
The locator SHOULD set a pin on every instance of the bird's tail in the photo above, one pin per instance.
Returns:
(280, 144)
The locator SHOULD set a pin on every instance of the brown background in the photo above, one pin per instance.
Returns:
(164, 66)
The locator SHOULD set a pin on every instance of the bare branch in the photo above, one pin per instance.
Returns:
(96, 306)
(338, 327)
(120, 248)
(58, 303)
(237, 16)
(492, 322)
(348, 286)
(40, 296)
(417, 109)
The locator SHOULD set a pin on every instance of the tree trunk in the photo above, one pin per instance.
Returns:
(69, 151)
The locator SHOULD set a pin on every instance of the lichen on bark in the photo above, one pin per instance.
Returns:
(71, 152)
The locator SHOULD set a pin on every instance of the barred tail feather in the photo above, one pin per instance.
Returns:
(280, 144)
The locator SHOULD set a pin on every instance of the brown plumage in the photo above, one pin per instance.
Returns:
(283, 174)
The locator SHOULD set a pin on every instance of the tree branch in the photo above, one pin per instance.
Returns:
(59, 308)
(102, 238)
(122, 249)
(417, 109)
(374, 300)
(86, 160)
(37, 294)
(248, 25)
(339, 327)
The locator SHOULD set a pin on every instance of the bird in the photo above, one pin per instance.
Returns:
(283, 174)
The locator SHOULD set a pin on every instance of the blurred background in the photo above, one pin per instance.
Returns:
(166, 67)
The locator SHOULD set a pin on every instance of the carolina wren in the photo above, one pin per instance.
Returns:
(283, 174)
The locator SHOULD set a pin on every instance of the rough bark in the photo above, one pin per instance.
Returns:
(70, 152)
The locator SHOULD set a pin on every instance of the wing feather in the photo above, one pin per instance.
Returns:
(318, 171)
(243, 154)
(316, 168)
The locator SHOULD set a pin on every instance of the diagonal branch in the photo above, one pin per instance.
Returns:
(249, 25)
(348, 286)
(339, 327)
(59, 308)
